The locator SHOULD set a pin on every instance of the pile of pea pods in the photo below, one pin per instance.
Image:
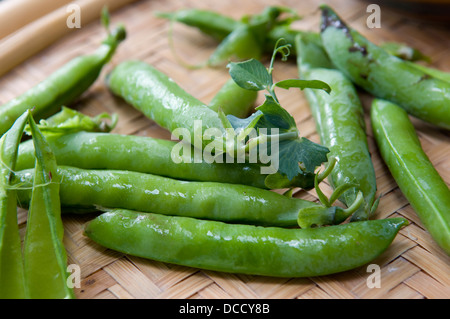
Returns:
(216, 215)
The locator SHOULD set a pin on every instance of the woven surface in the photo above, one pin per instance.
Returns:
(412, 267)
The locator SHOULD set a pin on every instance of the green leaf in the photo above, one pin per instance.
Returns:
(250, 75)
(275, 116)
(300, 151)
(304, 84)
(249, 122)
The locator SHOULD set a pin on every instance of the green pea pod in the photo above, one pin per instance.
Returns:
(233, 100)
(239, 45)
(63, 86)
(45, 258)
(339, 118)
(12, 282)
(209, 22)
(384, 75)
(86, 189)
(239, 40)
(415, 175)
(153, 156)
(161, 99)
(253, 250)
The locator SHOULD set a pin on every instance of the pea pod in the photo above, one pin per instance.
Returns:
(268, 251)
(239, 45)
(86, 189)
(219, 26)
(63, 86)
(45, 259)
(339, 118)
(159, 98)
(209, 22)
(372, 68)
(415, 175)
(239, 40)
(438, 74)
(12, 279)
(153, 156)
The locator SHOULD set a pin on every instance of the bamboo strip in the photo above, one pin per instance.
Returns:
(15, 14)
(428, 286)
(41, 33)
(132, 280)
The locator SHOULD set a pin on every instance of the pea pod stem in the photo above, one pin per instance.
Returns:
(245, 249)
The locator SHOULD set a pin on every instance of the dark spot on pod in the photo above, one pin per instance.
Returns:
(425, 77)
(329, 19)
(357, 48)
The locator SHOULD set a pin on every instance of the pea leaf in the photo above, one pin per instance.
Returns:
(275, 116)
(300, 151)
(304, 84)
(249, 122)
(250, 75)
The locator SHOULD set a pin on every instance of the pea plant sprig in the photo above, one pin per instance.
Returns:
(297, 155)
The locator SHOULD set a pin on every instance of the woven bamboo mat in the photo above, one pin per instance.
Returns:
(412, 267)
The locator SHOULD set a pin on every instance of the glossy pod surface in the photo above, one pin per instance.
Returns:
(269, 251)
(160, 99)
(151, 193)
(339, 118)
(150, 155)
(234, 100)
(384, 75)
(411, 168)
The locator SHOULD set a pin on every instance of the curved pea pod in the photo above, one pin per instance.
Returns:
(245, 249)
(86, 189)
(415, 175)
(384, 75)
(153, 156)
(209, 22)
(62, 87)
(339, 118)
(161, 99)
(12, 278)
